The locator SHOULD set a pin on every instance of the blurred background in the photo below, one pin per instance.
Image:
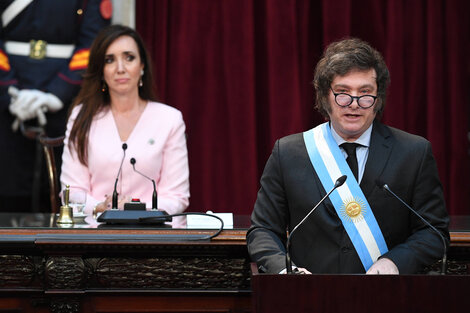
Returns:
(241, 72)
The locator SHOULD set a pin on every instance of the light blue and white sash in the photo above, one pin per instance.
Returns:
(350, 203)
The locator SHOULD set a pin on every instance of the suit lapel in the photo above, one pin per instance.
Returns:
(381, 143)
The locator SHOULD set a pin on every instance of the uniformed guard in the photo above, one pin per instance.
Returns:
(44, 47)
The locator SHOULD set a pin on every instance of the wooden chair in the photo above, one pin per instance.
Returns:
(48, 145)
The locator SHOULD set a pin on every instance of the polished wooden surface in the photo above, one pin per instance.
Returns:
(460, 230)
(31, 224)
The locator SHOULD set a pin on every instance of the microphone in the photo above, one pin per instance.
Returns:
(339, 182)
(384, 186)
(154, 195)
(115, 194)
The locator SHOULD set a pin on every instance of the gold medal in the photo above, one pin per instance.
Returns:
(353, 210)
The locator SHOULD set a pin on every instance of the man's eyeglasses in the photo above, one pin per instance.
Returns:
(344, 100)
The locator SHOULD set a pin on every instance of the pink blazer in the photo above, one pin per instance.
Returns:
(157, 143)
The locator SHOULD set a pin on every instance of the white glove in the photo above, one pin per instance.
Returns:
(13, 91)
(30, 103)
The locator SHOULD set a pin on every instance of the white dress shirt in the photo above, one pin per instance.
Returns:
(362, 152)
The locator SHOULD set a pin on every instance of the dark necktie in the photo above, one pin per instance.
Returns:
(350, 149)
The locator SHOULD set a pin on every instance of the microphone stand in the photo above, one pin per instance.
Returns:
(115, 194)
(444, 257)
(154, 195)
(340, 181)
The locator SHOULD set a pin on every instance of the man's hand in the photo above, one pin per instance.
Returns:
(13, 92)
(296, 270)
(301, 270)
(27, 104)
(383, 266)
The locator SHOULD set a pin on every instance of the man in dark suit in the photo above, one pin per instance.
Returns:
(361, 228)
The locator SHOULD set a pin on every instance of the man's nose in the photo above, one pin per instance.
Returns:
(355, 103)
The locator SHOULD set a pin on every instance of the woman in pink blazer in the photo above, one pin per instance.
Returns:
(115, 107)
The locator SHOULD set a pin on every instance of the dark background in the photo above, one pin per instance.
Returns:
(241, 72)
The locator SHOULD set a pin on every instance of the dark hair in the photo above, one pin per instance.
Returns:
(339, 59)
(91, 96)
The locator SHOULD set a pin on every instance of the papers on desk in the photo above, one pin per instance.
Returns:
(208, 222)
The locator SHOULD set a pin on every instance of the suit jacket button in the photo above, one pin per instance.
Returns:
(345, 249)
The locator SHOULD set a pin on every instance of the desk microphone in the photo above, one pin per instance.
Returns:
(154, 195)
(384, 186)
(115, 194)
(340, 181)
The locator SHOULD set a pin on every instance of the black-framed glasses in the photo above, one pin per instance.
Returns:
(344, 100)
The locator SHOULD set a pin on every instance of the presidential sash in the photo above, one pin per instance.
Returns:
(350, 203)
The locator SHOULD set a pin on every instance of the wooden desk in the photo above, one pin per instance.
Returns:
(89, 268)
(121, 269)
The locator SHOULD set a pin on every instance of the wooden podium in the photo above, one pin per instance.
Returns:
(359, 293)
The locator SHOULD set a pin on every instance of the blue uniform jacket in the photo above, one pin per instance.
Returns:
(57, 22)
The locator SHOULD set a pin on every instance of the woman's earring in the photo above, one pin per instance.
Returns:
(103, 87)
(141, 83)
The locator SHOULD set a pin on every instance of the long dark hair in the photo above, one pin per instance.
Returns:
(341, 57)
(91, 96)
